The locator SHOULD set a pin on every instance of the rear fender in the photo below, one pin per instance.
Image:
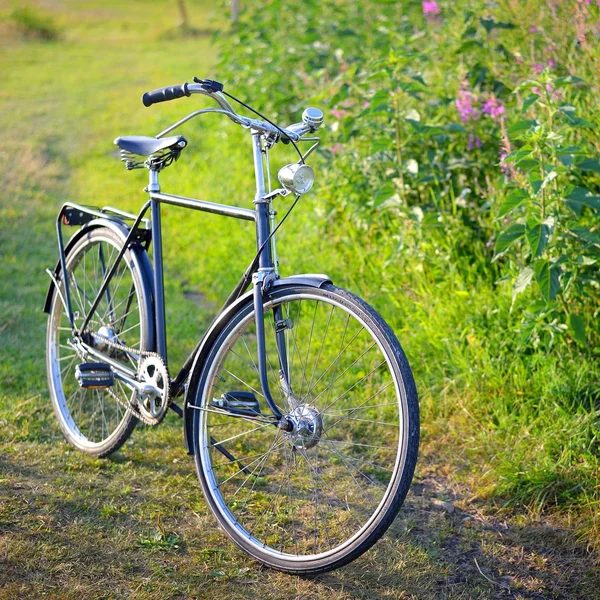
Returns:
(139, 254)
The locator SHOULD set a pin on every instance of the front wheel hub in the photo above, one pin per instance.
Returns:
(306, 426)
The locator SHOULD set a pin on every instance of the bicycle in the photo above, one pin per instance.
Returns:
(299, 406)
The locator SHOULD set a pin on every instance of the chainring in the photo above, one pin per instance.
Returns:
(136, 405)
(152, 370)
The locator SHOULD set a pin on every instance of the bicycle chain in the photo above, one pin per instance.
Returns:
(142, 353)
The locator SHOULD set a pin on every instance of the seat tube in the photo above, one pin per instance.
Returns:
(159, 285)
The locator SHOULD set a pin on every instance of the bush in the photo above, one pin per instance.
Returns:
(34, 25)
(460, 180)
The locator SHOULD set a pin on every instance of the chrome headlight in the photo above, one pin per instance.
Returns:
(297, 178)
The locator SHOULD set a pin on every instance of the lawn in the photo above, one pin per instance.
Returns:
(135, 525)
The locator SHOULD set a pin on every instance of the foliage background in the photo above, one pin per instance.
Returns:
(461, 182)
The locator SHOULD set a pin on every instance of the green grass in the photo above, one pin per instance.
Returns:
(135, 525)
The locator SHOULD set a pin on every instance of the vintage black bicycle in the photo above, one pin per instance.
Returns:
(299, 405)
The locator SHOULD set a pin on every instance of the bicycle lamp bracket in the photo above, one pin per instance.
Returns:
(297, 178)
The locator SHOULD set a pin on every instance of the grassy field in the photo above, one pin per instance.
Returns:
(136, 525)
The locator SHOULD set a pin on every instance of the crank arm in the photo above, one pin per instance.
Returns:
(120, 371)
(145, 390)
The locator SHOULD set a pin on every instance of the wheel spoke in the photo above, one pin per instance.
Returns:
(310, 489)
(92, 416)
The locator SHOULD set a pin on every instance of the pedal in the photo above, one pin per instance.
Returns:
(238, 403)
(95, 376)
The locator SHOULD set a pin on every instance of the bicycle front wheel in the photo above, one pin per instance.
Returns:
(315, 498)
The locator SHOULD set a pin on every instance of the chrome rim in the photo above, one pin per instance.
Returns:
(94, 416)
(309, 493)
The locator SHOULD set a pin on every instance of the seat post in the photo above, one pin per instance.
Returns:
(153, 185)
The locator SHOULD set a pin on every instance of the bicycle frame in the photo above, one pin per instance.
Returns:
(261, 271)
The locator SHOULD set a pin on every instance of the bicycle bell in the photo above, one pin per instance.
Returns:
(313, 117)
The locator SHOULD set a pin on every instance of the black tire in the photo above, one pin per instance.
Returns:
(275, 528)
(93, 420)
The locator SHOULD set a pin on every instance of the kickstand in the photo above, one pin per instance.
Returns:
(228, 454)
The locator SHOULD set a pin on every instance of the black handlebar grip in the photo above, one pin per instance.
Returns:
(170, 92)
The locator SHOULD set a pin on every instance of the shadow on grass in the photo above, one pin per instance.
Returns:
(68, 522)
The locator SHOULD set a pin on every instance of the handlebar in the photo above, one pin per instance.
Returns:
(311, 118)
(170, 92)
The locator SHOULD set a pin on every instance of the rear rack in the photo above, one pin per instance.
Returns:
(79, 214)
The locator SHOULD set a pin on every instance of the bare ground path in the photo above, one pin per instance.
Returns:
(135, 526)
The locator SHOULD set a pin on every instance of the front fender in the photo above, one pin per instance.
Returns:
(308, 280)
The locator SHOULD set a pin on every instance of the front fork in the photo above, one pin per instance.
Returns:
(260, 283)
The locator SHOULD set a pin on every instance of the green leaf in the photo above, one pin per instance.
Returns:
(507, 237)
(577, 328)
(419, 79)
(377, 75)
(469, 45)
(547, 279)
(568, 80)
(518, 155)
(523, 280)
(340, 95)
(522, 125)
(588, 164)
(585, 234)
(489, 24)
(579, 196)
(529, 101)
(538, 235)
(381, 144)
(514, 199)
(455, 127)
(379, 99)
(384, 192)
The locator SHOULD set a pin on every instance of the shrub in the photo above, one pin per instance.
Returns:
(32, 24)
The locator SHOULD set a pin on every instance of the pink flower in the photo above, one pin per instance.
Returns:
(465, 107)
(493, 107)
(335, 148)
(366, 104)
(474, 142)
(533, 29)
(506, 169)
(430, 9)
(339, 113)
(538, 68)
(551, 62)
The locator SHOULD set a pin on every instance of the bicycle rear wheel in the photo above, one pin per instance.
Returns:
(97, 421)
(313, 499)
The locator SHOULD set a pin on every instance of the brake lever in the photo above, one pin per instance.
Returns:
(209, 85)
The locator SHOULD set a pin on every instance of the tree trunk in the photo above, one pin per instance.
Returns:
(183, 16)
